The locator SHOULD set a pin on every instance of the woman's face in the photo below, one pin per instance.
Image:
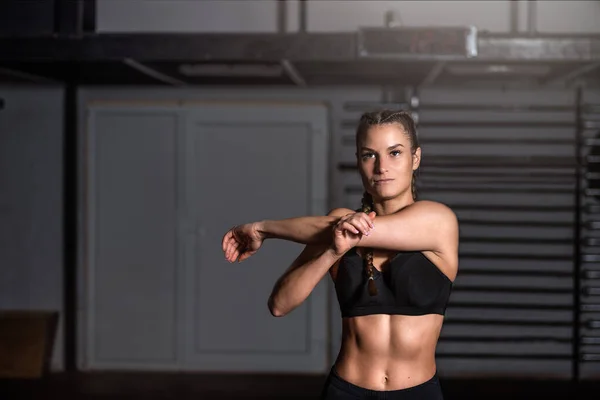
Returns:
(386, 161)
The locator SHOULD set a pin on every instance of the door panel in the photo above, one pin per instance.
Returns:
(248, 165)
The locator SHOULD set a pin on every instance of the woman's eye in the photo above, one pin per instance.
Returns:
(396, 153)
(366, 155)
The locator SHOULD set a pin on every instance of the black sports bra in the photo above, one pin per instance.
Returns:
(410, 285)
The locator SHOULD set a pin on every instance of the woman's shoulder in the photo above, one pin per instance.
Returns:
(432, 207)
(443, 223)
(435, 214)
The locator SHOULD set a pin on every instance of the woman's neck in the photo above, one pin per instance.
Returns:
(391, 206)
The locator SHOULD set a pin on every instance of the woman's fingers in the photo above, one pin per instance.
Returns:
(356, 223)
(231, 249)
(228, 252)
(230, 243)
(230, 240)
(235, 255)
(227, 243)
(237, 250)
(369, 218)
(364, 226)
(361, 224)
(234, 245)
(339, 226)
(350, 228)
(226, 238)
(244, 256)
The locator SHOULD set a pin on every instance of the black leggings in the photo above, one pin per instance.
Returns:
(337, 388)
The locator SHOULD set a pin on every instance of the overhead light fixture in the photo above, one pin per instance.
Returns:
(498, 69)
(471, 69)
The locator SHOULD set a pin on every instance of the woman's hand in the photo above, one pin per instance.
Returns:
(349, 230)
(241, 242)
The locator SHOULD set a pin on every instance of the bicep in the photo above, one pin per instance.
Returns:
(423, 226)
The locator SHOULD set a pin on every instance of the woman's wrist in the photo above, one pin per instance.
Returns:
(260, 227)
(333, 254)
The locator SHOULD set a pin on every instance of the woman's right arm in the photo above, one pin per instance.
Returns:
(296, 284)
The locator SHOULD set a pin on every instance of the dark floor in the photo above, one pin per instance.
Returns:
(153, 386)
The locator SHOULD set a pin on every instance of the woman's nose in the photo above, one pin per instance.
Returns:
(380, 166)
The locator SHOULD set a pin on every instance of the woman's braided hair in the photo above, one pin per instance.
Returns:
(367, 120)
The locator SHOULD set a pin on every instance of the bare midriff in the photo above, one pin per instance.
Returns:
(388, 352)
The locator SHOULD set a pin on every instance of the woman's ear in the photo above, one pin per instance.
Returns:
(416, 159)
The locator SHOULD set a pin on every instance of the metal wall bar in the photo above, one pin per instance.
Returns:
(504, 243)
(70, 223)
(514, 17)
(587, 236)
(281, 16)
(302, 16)
(576, 242)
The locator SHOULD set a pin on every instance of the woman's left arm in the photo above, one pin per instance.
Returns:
(422, 226)
(242, 241)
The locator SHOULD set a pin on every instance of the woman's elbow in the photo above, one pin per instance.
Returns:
(275, 310)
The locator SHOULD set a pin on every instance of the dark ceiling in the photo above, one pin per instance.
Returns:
(56, 41)
(301, 59)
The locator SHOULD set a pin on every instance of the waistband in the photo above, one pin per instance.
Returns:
(342, 384)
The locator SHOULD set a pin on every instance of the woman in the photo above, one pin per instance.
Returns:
(393, 263)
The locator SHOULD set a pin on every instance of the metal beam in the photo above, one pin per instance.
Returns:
(293, 73)
(230, 47)
(266, 47)
(573, 74)
(26, 76)
(433, 74)
(159, 76)
(539, 48)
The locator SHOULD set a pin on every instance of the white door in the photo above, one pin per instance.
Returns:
(129, 239)
(247, 162)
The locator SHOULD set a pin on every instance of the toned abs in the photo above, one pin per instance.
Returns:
(383, 352)
(388, 352)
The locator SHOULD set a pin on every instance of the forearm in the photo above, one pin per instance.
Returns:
(305, 230)
(297, 284)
